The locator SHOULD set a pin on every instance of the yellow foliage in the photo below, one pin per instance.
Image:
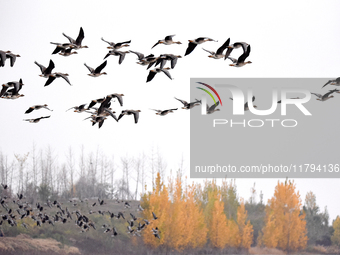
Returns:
(245, 228)
(218, 231)
(285, 227)
(336, 235)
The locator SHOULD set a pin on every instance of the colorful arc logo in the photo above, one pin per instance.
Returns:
(210, 93)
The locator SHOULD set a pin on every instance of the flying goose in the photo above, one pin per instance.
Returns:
(335, 82)
(117, 46)
(167, 57)
(12, 57)
(187, 105)
(36, 121)
(235, 46)
(325, 96)
(78, 41)
(219, 53)
(193, 43)
(164, 112)
(45, 71)
(16, 87)
(121, 55)
(135, 114)
(153, 73)
(167, 41)
(212, 108)
(37, 107)
(53, 76)
(240, 61)
(96, 72)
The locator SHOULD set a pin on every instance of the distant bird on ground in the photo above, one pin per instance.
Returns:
(121, 55)
(36, 120)
(240, 61)
(77, 43)
(135, 114)
(219, 53)
(235, 46)
(335, 82)
(37, 107)
(116, 46)
(193, 43)
(212, 108)
(164, 112)
(167, 41)
(153, 73)
(187, 105)
(96, 72)
(325, 96)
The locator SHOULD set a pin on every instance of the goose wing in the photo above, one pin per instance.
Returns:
(185, 103)
(167, 73)
(243, 57)
(50, 67)
(155, 44)
(210, 52)
(99, 68)
(330, 81)
(90, 68)
(64, 77)
(223, 47)
(136, 116)
(49, 80)
(191, 47)
(151, 76)
(80, 37)
(42, 68)
(139, 55)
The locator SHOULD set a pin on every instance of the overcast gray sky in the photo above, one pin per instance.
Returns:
(288, 39)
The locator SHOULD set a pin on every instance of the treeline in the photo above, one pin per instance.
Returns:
(39, 174)
(210, 215)
(190, 217)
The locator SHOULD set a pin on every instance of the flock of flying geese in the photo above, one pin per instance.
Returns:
(54, 212)
(11, 90)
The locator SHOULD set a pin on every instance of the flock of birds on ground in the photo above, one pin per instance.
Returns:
(41, 216)
(10, 90)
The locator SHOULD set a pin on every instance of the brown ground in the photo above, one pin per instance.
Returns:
(24, 244)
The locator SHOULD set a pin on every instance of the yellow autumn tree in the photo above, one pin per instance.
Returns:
(335, 238)
(176, 231)
(244, 227)
(158, 202)
(285, 226)
(196, 230)
(218, 232)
